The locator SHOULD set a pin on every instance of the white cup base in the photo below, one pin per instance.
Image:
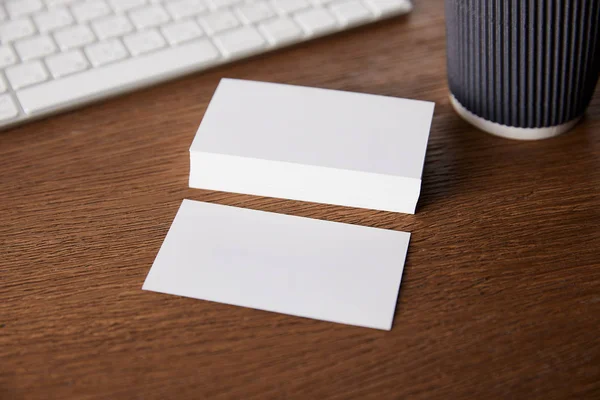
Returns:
(510, 132)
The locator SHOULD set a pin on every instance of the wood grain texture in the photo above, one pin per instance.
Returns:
(501, 290)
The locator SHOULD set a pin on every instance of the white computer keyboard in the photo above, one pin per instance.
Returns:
(60, 54)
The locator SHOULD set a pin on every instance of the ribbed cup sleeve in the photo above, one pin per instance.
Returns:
(523, 63)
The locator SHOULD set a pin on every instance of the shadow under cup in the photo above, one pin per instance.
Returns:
(523, 69)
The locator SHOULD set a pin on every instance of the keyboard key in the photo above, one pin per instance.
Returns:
(74, 37)
(351, 12)
(90, 10)
(8, 109)
(54, 19)
(389, 7)
(7, 56)
(35, 47)
(16, 29)
(26, 74)
(181, 31)
(94, 83)
(112, 26)
(66, 63)
(216, 4)
(58, 3)
(126, 5)
(219, 21)
(255, 12)
(105, 52)
(144, 42)
(3, 86)
(185, 8)
(281, 30)
(316, 21)
(149, 16)
(239, 41)
(290, 6)
(20, 8)
(2, 13)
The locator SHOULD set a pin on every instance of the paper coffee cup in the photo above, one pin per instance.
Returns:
(523, 69)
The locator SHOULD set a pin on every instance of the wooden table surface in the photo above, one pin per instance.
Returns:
(501, 291)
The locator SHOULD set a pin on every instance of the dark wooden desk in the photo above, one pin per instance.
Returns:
(501, 291)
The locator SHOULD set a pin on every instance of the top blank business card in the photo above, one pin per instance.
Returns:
(312, 144)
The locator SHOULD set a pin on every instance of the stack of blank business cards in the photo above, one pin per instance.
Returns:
(318, 145)
(306, 144)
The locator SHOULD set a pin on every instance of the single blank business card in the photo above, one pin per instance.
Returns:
(324, 270)
(319, 145)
